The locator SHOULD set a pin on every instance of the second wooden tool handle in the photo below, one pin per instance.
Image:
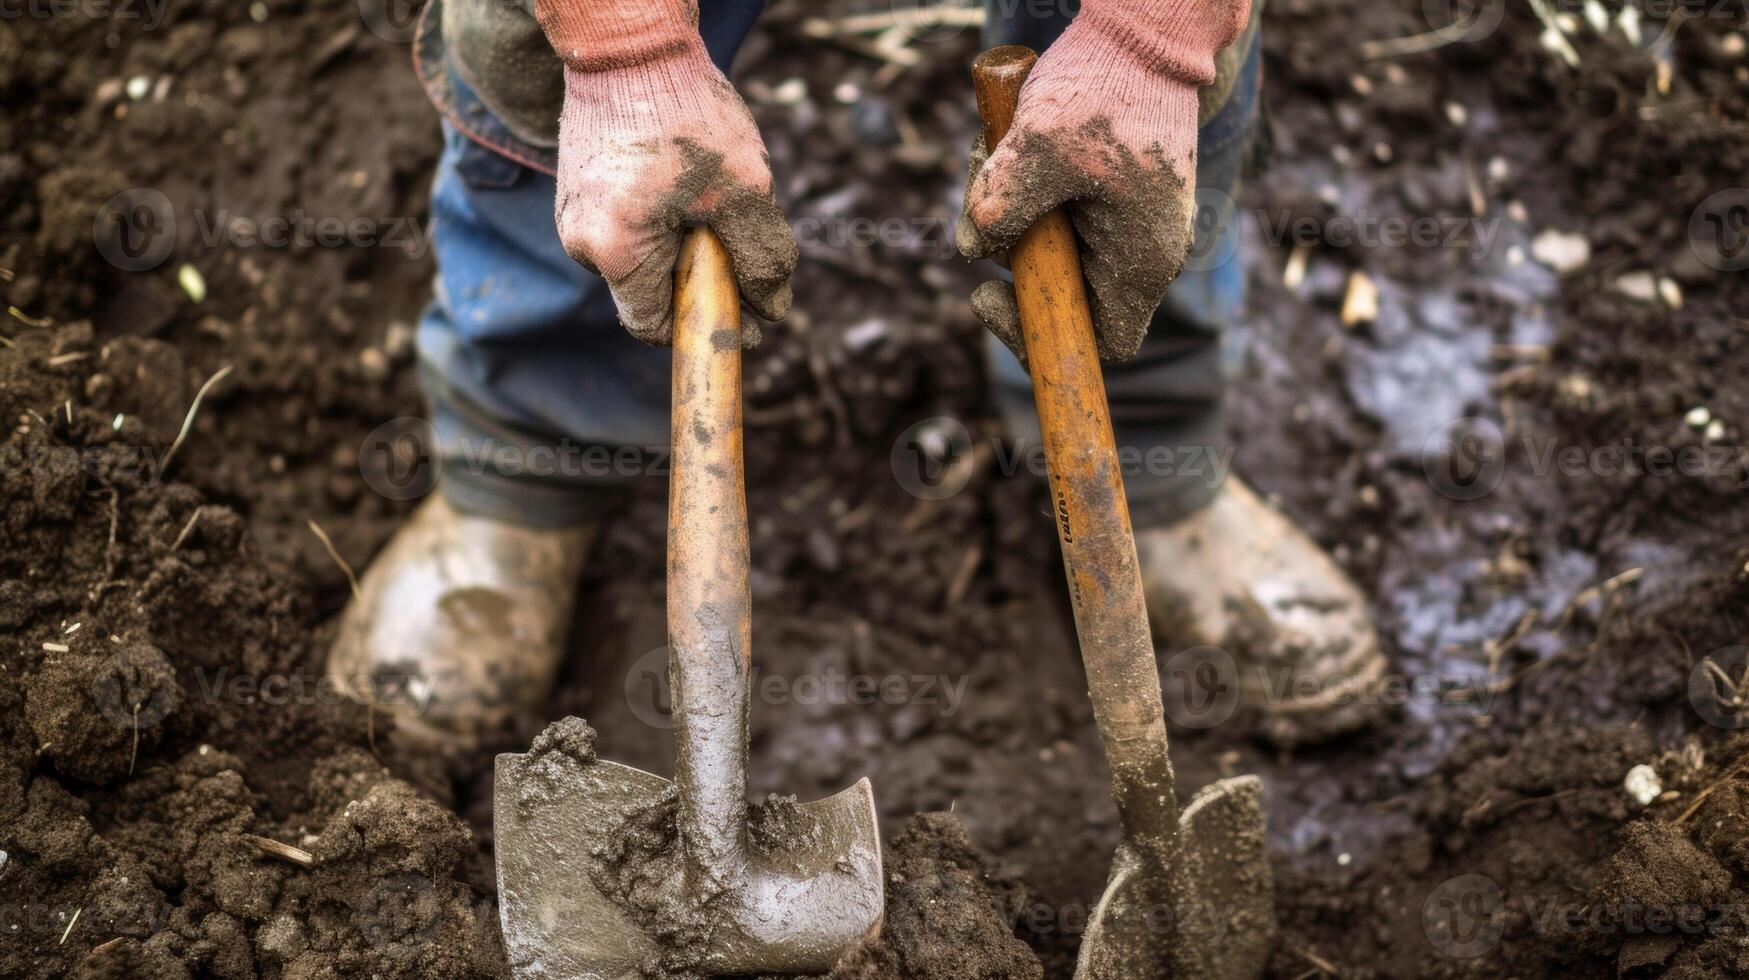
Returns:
(709, 604)
(1087, 493)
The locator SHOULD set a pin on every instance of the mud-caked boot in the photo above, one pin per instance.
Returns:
(459, 624)
(1288, 627)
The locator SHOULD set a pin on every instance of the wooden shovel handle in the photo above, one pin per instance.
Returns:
(1092, 514)
(709, 602)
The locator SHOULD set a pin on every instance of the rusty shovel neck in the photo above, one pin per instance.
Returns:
(709, 602)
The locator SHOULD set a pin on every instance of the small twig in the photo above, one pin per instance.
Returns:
(109, 553)
(1415, 44)
(334, 553)
(920, 17)
(134, 756)
(285, 852)
(1323, 965)
(370, 726)
(962, 580)
(68, 358)
(188, 420)
(1496, 649)
(1563, 47)
(28, 320)
(823, 31)
(187, 529)
(1701, 797)
(70, 924)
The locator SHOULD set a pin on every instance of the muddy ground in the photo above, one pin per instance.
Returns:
(1570, 616)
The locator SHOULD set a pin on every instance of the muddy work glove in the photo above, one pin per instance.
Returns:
(652, 139)
(1107, 124)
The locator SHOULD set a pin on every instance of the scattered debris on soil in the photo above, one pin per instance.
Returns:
(161, 704)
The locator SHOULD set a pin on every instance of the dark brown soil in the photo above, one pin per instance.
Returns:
(159, 697)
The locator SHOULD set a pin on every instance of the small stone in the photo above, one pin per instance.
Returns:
(398, 341)
(374, 363)
(1732, 45)
(1670, 293)
(1715, 431)
(258, 12)
(1698, 417)
(1361, 303)
(139, 87)
(1643, 784)
(790, 92)
(192, 282)
(281, 940)
(847, 93)
(1344, 859)
(1642, 286)
(1456, 113)
(1499, 169)
(1561, 251)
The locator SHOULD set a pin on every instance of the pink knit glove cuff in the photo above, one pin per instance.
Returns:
(1107, 124)
(652, 139)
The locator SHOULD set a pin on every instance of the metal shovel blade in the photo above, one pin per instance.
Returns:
(1215, 921)
(800, 906)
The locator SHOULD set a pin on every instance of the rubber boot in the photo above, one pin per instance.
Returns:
(459, 624)
(1290, 627)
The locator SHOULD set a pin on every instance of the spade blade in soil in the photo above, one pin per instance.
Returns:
(1216, 923)
(802, 903)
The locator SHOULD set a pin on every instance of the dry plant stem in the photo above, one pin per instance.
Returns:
(285, 852)
(188, 420)
(334, 553)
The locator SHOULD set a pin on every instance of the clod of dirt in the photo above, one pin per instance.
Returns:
(394, 830)
(949, 913)
(1658, 867)
(91, 712)
(71, 200)
(570, 736)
